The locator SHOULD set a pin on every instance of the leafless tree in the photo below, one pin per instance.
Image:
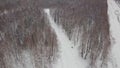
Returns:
(23, 27)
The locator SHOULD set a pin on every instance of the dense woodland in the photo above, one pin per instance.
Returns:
(24, 29)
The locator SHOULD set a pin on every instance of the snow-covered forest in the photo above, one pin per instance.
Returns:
(59, 33)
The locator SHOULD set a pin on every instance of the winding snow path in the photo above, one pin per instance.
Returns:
(69, 57)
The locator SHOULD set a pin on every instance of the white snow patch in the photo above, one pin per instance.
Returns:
(27, 59)
(115, 32)
(69, 56)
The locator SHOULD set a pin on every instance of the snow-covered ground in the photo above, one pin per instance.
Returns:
(113, 12)
(69, 56)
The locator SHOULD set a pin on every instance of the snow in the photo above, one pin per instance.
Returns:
(115, 32)
(27, 59)
(69, 57)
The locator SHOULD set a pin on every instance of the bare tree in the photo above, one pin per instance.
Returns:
(24, 28)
